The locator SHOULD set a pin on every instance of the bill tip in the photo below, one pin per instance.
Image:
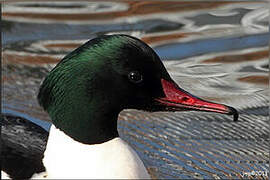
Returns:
(233, 112)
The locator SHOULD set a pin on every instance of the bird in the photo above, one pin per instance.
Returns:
(83, 96)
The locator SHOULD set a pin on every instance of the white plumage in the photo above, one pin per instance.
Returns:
(66, 158)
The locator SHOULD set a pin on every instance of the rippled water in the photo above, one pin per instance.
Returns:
(216, 50)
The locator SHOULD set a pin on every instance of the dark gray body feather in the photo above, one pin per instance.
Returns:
(22, 146)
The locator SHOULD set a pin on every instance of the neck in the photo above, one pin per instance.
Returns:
(88, 127)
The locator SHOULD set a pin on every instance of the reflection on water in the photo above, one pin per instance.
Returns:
(216, 50)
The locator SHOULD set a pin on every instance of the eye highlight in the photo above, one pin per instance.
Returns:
(135, 77)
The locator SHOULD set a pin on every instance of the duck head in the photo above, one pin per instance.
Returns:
(88, 88)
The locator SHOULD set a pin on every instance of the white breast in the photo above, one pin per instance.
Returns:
(66, 158)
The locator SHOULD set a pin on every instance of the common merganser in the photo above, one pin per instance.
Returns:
(83, 95)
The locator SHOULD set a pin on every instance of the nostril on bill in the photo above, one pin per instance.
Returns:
(184, 99)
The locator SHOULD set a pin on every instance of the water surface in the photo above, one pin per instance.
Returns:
(215, 50)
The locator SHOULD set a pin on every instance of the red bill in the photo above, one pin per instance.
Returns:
(177, 99)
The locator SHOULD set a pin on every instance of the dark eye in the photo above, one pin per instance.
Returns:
(135, 77)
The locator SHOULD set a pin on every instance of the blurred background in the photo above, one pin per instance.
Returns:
(217, 50)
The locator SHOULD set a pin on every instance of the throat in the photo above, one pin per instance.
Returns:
(89, 128)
